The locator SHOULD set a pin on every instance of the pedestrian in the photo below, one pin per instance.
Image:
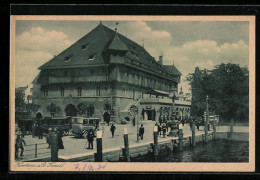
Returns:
(40, 131)
(60, 142)
(160, 120)
(33, 129)
(183, 122)
(134, 121)
(198, 125)
(48, 137)
(141, 131)
(112, 129)
(19, 144)
(159, 129)
(164, 129)
(90, 138)
(23, 131)
(167, 125)
(106, 117)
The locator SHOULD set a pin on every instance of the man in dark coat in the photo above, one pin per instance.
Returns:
(141, 131)
(33, 130)
(164, 129)
(112, 129)
(90, 138)
(19, 144)
(60, 142)
(106, 117)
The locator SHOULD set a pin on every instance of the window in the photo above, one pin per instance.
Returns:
(91, 57)
(62, 91)
(98, 91)
(84, 46)
(68, 58)
(79, 91)
(45, 92)
(31, 90)
(133, 94)
(65, 73)
(91, 72)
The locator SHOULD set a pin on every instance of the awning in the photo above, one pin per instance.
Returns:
(158, 92)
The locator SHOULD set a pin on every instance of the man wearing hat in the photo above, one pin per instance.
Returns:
(48, 137)
(19, 144)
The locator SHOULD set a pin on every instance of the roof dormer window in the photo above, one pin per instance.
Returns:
(84, 46)
(67, 58)
(91, 57)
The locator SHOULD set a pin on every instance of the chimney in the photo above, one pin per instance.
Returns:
(161, 60)
(173, 62)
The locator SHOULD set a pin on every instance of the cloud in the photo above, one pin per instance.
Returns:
(39, 39)
(34, 48)
(154, 40)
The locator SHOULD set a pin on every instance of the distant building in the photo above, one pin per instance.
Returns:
(27, 91)
(105, 69)
(183, 105)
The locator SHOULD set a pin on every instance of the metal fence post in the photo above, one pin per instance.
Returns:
(35, 150)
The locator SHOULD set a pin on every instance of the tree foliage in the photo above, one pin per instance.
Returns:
(227, 86)
(31, 107)
(53, 109)
(19, 100)
(82, 108)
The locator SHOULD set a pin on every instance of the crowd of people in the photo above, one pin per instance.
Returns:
(37, 130)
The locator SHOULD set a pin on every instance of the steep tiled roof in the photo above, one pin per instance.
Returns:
(89, 51)
(172, 69)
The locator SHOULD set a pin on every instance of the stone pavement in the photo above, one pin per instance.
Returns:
(74, 146)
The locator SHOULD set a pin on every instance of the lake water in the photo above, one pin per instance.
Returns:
(222, 150)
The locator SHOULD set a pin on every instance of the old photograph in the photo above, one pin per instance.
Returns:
(132, 93)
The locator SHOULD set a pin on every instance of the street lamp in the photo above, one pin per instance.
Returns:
(174, 123)
(207, 119)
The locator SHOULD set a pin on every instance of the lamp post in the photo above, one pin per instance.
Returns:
(207, 119)
(174, 122)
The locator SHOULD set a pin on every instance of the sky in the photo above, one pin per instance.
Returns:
(187, 44)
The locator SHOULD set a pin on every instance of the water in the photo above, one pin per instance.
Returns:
(222, 150)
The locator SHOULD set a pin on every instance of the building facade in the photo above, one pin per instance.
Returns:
(103, 69)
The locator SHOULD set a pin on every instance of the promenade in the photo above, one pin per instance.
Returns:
(74, 146)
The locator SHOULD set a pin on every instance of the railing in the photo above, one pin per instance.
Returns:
(34, 150)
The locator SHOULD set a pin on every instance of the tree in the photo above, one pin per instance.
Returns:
(53, 109)
(227, 86)
(31, 107)
(82, 108)
(19, 100)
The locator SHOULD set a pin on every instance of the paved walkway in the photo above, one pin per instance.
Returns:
(74, 146)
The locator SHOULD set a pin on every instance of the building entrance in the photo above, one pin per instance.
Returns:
(149, 115)
(71, 110)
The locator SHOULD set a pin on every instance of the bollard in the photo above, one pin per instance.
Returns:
(127, 155)
(54, 147)
(155, 138)
(231, 129)
(214, 130)
(193, 135)
(180, 136)
(206, 131)
(180, 139)
(35, 150)
(99, 155)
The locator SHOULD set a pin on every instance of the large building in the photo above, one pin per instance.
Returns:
(105, 70)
